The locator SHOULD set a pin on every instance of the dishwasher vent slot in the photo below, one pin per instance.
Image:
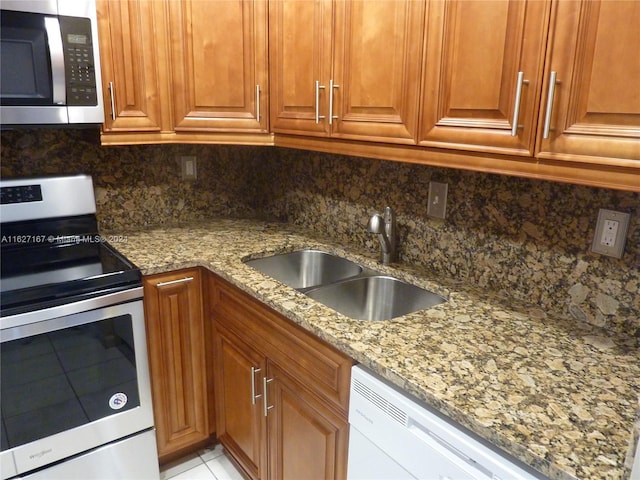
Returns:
(379, 401)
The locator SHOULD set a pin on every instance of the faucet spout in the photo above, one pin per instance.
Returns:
(385, 228)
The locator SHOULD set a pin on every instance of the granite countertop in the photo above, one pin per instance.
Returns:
(560, 396)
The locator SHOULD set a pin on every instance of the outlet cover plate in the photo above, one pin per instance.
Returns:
(188, 165)
(611, 233)
(437, 206)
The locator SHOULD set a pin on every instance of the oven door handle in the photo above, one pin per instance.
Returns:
(56, 52)
(173, 282)
(39, 316)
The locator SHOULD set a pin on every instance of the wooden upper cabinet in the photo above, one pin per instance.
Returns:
(376, 70)
(482, 81)
(594, 109)
(129, 33)
(219, 65)
(300, 41)
(346, 69)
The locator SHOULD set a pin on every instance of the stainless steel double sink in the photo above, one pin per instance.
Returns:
(356, 292)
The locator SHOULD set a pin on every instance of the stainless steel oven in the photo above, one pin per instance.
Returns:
(74, 382)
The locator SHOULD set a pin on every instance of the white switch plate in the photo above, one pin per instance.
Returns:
(437, 206)
(611, 233)
(189, 171)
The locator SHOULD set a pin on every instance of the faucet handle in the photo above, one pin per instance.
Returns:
(389, 215)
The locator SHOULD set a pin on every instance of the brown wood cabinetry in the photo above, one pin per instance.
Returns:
(346, 69)
(132, 76)
(219, 65)
(185, 71)
(240, 417)
(281, 393)
(473, 92)
(591, 111)
(306, 439)
(177, 360)
(488, 83)
(442, 82)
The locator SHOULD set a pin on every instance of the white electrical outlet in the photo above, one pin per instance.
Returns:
(437, 206)
(611, 233)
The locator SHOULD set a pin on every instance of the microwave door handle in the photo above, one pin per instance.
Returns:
(56, 52)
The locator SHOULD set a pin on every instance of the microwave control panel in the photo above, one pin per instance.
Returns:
(79, 61)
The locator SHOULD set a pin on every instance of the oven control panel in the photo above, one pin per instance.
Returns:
(20, 194)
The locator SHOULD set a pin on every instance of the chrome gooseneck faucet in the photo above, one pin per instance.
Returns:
(385, 228)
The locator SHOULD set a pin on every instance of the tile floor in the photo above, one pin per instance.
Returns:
(208, 464)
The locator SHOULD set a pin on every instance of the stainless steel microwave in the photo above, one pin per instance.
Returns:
(50, 65)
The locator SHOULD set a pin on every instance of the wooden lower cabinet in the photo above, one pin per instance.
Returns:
(281, 393)
(177, 361)
(240, 417)
(306, 439)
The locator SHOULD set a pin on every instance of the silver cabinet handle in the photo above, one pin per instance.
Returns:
(318, 116)
(547, 118)
(113, 101)
(516, 106)
(173, 282)
(265, 403)
(258, 102)
(253, 385)
(56, 52)
(331, 115)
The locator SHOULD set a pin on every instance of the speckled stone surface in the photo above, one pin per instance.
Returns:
(560, 395)
(526, 239)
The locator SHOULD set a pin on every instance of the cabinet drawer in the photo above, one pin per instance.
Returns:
(317, 365)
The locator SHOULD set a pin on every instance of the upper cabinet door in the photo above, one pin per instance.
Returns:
(300, 65)
(483, 65)
(219, 65)
(376, 70)
(592, 113)
(129, 32)
(346, 69)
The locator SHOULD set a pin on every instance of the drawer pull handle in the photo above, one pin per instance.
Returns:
(253, 385)
(318, 116)
(331, 115)
(547, 119)
(516, 107)
(173, 282)
(266, 406)
(113, 101)
(258, 103)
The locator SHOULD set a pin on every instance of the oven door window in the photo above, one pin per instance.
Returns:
(59, 380)
(25, 68)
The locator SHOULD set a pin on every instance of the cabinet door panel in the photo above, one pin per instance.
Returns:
(220, 60)
(240, 421)
(306, 439)
(377, 49)
(175, 331)
(129, 34)
(300, 55)
(595, 114)
(474, 53)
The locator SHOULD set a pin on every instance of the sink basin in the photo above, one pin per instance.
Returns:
(306, 268)
(375, 297)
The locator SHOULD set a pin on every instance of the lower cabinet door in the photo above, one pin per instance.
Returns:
(239, 383)
(175, 332)
(306, 439)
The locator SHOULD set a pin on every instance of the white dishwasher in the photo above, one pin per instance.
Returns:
(392, 438)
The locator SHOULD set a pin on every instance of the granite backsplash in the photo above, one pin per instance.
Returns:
(525, 238)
